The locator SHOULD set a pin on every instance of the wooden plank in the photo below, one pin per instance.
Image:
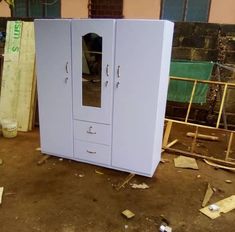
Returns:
(203, 136)
(10, 78)
(208, 195)
(224, 205)
(229, 146)
(26, 76)
(222, 105)
(167, 133)
(127, 179)
(194, 140)
(43, 159)
(191, 100)
(202, 81)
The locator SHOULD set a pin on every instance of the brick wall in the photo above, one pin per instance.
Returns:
(206, 42)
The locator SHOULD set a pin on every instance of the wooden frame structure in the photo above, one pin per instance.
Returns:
(227, 159)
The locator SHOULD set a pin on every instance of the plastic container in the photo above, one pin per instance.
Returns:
(9, 128)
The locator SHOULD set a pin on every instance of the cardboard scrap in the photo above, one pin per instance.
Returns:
(1, 193)
(208, 195)
(140, 186)
(128, 214)
(224, 205)
(185, 162)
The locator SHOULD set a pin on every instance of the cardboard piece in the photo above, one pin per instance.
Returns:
(185, 162)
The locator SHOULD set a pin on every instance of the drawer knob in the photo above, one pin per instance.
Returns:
(91, 152)
(90, 131)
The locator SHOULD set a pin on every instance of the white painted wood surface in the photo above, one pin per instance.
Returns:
(53, 54)
(105, 29)
(128, 127)
(136, 93)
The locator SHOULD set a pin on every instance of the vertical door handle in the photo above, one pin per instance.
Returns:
(118, 71)
(66, 67)
(117, 85)
(107, 70)
(66, 80)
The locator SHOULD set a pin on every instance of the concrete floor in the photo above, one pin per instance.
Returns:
(52, 197)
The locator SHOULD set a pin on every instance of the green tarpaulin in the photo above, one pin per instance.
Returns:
(180, 91)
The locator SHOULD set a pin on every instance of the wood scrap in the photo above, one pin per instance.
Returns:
(208, 195)
(185, 162)
(218, 165)
(139, 186)
(1, 193)
(170, 144)
(224, 205)
(203, 136)
(127, 179)
(128, 214)
(43, 159)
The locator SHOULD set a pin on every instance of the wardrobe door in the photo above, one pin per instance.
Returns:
(93, 55)
(53, 61)
(139, 45)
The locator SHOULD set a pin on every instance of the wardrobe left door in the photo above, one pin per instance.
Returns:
(54, 83)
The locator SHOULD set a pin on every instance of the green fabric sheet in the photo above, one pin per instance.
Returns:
(180, 91)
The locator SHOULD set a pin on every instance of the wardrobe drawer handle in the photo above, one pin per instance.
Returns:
(91, 152)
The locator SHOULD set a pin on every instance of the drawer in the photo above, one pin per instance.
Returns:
(92, 132)
(100, 154)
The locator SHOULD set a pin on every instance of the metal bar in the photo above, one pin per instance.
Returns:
(229, 146)
(202, 81)
(191, 100)
(222, 105)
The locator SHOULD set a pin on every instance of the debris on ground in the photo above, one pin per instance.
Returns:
(1, 162)
(1, 193)
(127, 179)
(185, 162)
(208, 195)
(126, 226)
(99, 172)
(213, 207)
(164, 161)
(165, 228)
(81, 175)
(128, 214)
(224, 205)
(198, 176)
(139, 186)
(60, 159)
(218, 165)
(43, 159)
(228, 181)
(38, 149)
(202, 136)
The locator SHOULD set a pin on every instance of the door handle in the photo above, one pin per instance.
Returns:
(66, 67)
(118, 71)
(66, 80)
(107, 70)
(117, 85)
(91, 152)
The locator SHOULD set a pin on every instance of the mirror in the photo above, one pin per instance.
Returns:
(91, 70)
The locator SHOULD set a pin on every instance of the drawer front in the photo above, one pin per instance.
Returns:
(92, 152)
(92, 132)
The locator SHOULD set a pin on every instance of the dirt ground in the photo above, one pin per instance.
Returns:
(53, 197)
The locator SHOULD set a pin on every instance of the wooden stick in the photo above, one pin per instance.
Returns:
(191, 100)
(194, 124)
(229, 146)
(186, 153)
(202, 136)
(43, 159)
(194, 140)
(219, 166)
(202, 81)
(127, 179)
(170, 144)
(222, 105)
(167, 133)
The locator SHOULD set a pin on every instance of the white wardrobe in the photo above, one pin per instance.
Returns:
(102, 89)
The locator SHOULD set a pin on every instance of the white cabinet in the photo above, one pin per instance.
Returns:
(120, 69)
